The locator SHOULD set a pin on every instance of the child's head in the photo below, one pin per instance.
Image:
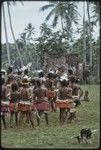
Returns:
(86, 92)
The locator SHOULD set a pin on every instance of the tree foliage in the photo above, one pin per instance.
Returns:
(60, 42)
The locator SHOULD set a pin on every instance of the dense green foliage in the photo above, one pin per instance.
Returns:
(61, 42)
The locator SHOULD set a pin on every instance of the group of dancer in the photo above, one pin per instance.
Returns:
(21, 96)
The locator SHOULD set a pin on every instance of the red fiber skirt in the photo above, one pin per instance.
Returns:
(64, 104)
(4, 106)
(42, 106)
(24, 107)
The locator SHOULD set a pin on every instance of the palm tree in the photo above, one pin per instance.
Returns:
(8, 4)
(57, 11)
(71, 16)
(27, 35)
(23, 39)
(46, 32)
(66, 12)
(29, 31)
(7, 44)
(96, 12)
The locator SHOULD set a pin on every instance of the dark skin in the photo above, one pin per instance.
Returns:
(15, 97)
(86, 97)
(25, 96)
(4, 120)
(40, 95)
(77, 93)
(49, 84)
(3, 92)
(10, 78)
(76, 89)
(3, 98)
(64, 93)
(50, 87)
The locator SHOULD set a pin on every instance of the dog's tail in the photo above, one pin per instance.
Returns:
(95, 130)
(73, 137)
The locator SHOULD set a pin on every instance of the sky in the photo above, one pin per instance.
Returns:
(29, 13)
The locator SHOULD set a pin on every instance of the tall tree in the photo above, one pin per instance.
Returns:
(27, 36)
(46, 34)
(66, 12)
(57, 11)
(88, 12)
(96, 12)
(23, 39)
(8, 5)
(5, 27)
(29, 31)
(84, 35)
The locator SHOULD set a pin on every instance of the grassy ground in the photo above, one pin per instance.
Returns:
(56, 135)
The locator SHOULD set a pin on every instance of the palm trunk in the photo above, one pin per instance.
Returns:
(7, 44)
(90, 37)
(27, 53)
(78, 46)
(98, 71)
(63, 28)
(14, 35)
(45, 66)
(84, 36)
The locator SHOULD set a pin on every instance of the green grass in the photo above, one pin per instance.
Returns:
(56, 135)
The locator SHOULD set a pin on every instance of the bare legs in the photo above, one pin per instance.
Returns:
(12, 113)
(28, 115)
(4, 121)
(46, 117)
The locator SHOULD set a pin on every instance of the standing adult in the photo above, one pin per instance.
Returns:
(4, 109)
(14, 99)
(25, 103)
(65, 93)
(41, 101)
(76, 90)
(51, 93)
